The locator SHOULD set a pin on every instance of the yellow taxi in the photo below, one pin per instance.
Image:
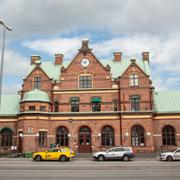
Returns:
(61, 154)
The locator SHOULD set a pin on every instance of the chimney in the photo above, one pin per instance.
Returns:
(35, 59)
(85, 43)
(117, 56)
(145, 56)
(85, 47)
(58, 59)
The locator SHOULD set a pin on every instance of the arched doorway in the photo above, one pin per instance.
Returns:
(84, 143)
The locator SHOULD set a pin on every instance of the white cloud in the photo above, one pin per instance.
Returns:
(55, 45)
(11, 89)
(163, 56)
(148, 26)
(15, 63)
(47, 17)
(15, 67)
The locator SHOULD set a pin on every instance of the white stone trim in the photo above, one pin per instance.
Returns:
(42, 130)
(157, 135)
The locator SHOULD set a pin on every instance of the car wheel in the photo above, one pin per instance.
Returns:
(38, 158)
(63, 158)
(169, 158)
(125, 158)
(101, 158)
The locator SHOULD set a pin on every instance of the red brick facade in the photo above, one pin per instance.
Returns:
(27, 125)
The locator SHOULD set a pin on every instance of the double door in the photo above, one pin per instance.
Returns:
(84, 145)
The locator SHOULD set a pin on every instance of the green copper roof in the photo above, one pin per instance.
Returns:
(9, 105)
(36, 95)
(118, 68)
(51, 70)
(167, 101)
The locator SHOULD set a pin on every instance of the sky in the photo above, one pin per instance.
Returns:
(46, 27)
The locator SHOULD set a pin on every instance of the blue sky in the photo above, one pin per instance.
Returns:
(46, 27)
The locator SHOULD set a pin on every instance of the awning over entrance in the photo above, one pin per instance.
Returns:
(96, 100)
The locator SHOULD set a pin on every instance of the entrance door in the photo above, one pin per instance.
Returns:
(84, 140)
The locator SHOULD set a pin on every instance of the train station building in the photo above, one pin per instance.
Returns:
(90, 104)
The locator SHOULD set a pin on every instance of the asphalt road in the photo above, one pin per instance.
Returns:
(87, 169)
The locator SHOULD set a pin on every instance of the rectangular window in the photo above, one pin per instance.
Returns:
(42, 141)
(115, 104)
(134, 80)
(135, 103)
(32, 108)
(56, 106)
(42, 108)
(96, 104)
(30, 130)
(74, 104)
(37, 82)
(85, 82)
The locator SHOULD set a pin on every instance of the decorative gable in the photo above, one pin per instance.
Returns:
(85, 64)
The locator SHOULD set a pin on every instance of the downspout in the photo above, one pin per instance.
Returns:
(120, 119)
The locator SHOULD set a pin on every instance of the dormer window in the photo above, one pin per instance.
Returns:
(85, 81)
(134, 80)
(37, 82)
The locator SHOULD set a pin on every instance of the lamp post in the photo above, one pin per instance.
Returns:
(2, 55)
(70, 136)
(37, 137)
(20, 143)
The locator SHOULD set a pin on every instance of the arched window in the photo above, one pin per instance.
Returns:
(6, 137)
(107, 136)
(137, 136)
(135, 103)
(62, 136)
(168, 135)
(133, 80)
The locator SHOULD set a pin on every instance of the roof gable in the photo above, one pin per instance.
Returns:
(118, 68)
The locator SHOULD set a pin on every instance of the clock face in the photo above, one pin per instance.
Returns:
(85, 62)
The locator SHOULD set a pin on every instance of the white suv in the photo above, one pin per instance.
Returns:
(124, 153)
(170, 156)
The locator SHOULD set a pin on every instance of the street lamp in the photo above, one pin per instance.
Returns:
(37, 138)
(70, 137)
(2, 55)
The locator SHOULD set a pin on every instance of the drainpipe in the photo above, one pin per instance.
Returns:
(120, 119)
